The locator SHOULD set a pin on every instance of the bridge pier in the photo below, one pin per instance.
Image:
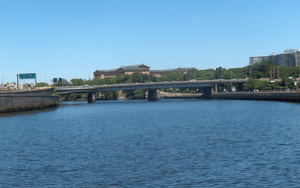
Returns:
(216, 88)
(153, 95)
(207, 92)
(240, 87)
(91, 97)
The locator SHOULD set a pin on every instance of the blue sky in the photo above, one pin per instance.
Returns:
(72, 39)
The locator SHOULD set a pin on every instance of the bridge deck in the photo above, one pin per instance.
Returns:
(150, 85)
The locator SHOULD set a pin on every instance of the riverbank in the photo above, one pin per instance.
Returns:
(167, 95)
(24, 100)
(289, 96)
(163, 95)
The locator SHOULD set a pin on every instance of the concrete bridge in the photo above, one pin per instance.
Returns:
(210, 86)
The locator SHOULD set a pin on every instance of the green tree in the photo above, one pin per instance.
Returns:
(176, 76)
(111, 95)
(137, 77)
(262, 70)
(77, 82)
(252, 84)
(218, 72)
(207, 74)
(226, 74)
(139, 94)
(41, 84)
(146, 78)
(192, 74)
(119, 79)
(65, 82)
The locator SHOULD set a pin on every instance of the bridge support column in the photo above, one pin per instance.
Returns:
(91, 97)
(120, 93)
(153, 95)
(207, 93)
(216, 88)
(240, 87)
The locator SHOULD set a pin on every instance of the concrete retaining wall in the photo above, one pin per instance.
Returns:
(167, 95)
(27, 100)
(278, 96)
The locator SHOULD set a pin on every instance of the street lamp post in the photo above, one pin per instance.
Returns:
(5, 78)
(186, 74)
(41, 76)
(285, 82)
(14, 77)
(1, 73)
(231, 81)
(26, 71)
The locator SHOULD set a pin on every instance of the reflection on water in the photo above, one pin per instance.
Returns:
(172, 143)
(20, 113)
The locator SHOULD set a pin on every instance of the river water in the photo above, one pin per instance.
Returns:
(172, 143)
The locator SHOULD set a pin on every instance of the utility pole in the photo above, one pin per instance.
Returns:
(1, 73)
(285, 80)
(186, 74)
(17, 81)
(231, 80)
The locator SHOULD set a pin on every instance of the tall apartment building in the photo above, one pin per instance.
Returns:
(290, 58)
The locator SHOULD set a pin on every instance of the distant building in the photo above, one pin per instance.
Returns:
(167, 72)
(140, 68)
(290, 58)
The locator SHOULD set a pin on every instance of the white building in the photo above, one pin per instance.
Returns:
(290, 58)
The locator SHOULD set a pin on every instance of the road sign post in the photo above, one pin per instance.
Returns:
(28, 76)
(17, 81)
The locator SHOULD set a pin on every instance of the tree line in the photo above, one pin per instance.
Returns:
(254, 72)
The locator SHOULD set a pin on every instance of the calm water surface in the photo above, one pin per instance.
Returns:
(172, 143)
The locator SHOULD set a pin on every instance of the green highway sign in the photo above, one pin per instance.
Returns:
(27, 76)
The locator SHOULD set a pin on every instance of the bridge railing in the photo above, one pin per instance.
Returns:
(261, 91)
(15, 90)
(166, 94)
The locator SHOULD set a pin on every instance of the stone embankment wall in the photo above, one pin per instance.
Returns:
(276, 96)
(20, 100)
(167, 95)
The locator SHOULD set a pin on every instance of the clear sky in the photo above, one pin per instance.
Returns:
(73, 38)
